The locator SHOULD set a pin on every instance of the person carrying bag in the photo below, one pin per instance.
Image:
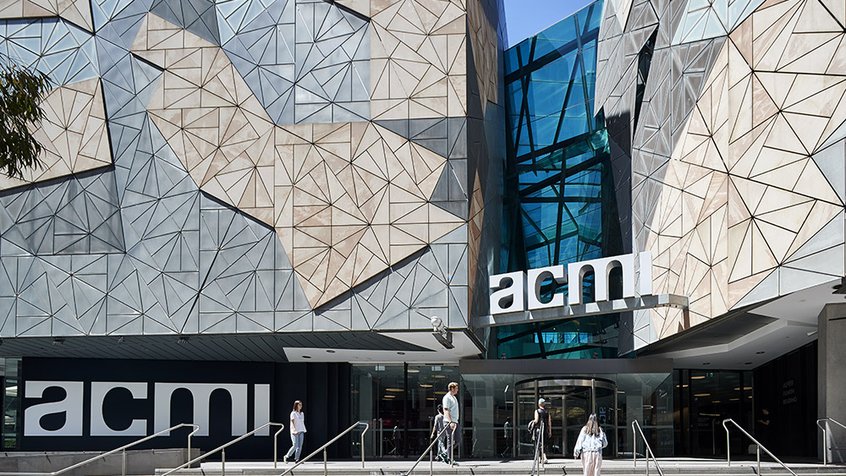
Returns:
(589, 447)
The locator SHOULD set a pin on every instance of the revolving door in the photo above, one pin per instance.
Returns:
(569, 401)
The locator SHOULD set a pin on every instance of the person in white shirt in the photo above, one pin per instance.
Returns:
(298, 431)
(589, 446)
(451, 416)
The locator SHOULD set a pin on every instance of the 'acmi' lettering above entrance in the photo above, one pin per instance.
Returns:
(521, 291)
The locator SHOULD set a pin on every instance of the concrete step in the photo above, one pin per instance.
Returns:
(137, 461)
(496, 468)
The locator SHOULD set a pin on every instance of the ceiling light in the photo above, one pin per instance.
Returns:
(701, 394)
(697, 377)
(425, 385)
(394, 390)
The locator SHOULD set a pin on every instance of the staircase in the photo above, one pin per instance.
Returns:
(622, 467)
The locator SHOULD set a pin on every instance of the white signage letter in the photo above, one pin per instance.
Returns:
(261, 408)
(99, 390)
(601, 268)
(645, 278)
(71, 406)
(536, 277)
(499, 298)
(201, 394)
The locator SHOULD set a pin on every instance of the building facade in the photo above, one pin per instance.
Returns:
(248, 202)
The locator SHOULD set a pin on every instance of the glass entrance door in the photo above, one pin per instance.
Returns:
(569, 402)
(579, 404)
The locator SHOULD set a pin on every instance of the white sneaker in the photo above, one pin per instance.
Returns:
(285, 459)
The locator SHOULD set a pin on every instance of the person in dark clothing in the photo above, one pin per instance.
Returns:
(542, 427)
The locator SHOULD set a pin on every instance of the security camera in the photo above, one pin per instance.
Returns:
(441, 333)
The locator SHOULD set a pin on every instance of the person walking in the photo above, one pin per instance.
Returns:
(506, 434)
(298, 431)
(589, 446)
(451, 417)
(438, 432)
(542, 428)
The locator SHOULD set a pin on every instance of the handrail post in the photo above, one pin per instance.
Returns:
(634, 446)
(825, 444)
(195, 429)
(452, 446)
(758, 456)
(728, 444)
(223, 462)
(431, 463)
(123, 463)
(276, 445)
(325, 460)
(361, 442)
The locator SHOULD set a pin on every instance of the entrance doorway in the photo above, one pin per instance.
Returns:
(569, 401)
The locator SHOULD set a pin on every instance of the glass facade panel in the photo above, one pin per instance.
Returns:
(705, 399)
(503, 404)
(399, 401)
(559, 163)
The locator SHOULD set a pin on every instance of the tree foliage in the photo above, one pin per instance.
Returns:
(21, 93)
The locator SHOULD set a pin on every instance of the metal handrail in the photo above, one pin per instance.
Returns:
(222, 450)
(109, 453)
(329, 443)
(758, 450)
(429, 451)
(825, 435)
(537, 461)
(635, 430)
